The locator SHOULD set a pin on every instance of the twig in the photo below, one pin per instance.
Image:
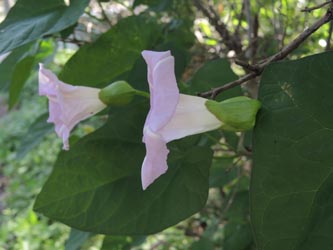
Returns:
(124, 5)
(234, 191)
(247, 7)
(246, 65)
(240, 18)
(316, 7)
(214, 92)
(72, 40)
(221, 28)
(277, 57)
(93, 17)
(255, 35)
(104, 13)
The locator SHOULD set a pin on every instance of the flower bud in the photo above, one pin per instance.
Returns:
(236, 114)
(117, 93)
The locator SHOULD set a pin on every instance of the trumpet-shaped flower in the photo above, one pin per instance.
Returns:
(171, 116)
(68, 105)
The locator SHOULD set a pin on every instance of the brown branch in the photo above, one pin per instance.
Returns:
(247, 8)
(329, 37)
(246, 65)
(277, 57)
(240, 18)
(316, 7)
(214, 92)
(235, 189)
(231, 42)
(255, 35)
(73, 40)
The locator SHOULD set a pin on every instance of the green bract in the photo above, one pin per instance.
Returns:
(117, 93)
(236, 114)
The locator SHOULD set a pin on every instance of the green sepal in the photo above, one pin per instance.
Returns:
(236, 114)
(119, 93)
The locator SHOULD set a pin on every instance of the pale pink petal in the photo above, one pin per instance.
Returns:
(79, 104)
(63, 132)
(164, 93)
(68, 105)
(191, 117)
(171, 116)
(48, 82)
(155, 162)
(152, 58)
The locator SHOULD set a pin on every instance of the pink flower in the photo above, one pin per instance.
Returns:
(68, 105)
(172, 115)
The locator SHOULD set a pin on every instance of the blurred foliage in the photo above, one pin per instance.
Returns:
(104, 45)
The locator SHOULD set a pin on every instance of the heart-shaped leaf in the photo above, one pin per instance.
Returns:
(96, 186)
(292, 180)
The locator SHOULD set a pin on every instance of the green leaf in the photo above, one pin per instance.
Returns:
(29, 20)
(222, 172)
(238, 236)
(137, 76)
(96, 186)
(20, 76)
(214, 74)
(179, 32)
(76, 239)
(181, 55)
(116, 243)
(7, 66)
(232, 139)
(157, 5)
(36, 133)
(202, 244)
(239, 210)
(113, 54)
(292, 181)
(237, 231)
(121, 242)
(22, 69)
